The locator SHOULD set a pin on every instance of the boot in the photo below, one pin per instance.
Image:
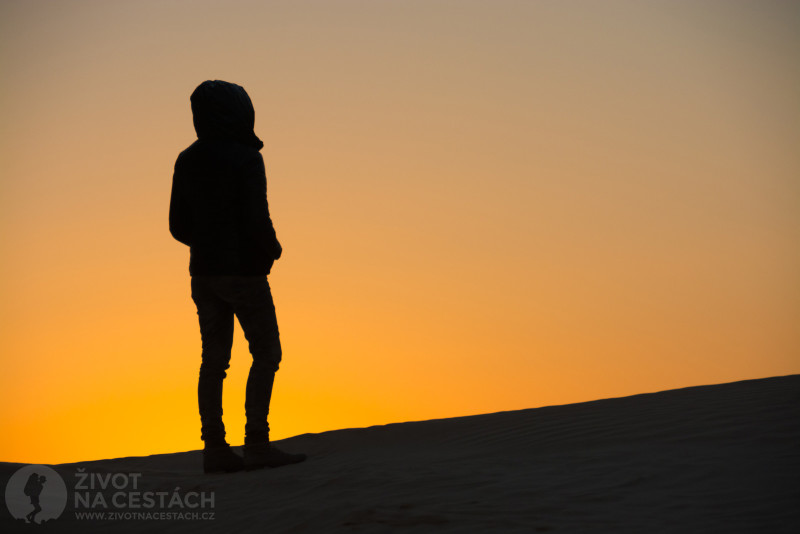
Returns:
(221, 459)
(264, 454)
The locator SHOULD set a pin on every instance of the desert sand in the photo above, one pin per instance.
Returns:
(721, 458)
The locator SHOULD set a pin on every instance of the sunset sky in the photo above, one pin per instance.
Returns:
(484, 205)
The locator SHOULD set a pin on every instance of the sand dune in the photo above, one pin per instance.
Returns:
(723, 458)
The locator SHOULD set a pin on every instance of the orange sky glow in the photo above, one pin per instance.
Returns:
(484, 206)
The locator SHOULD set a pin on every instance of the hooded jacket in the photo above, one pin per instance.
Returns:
(219, 203)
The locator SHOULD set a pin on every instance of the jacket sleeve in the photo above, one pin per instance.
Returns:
(180, 221)
(256, 207)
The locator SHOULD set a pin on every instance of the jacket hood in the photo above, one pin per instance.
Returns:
(223, 110)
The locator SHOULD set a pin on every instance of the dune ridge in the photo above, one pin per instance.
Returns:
(721, 458)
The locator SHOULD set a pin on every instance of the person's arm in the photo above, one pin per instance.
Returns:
(256, 207)
(180, 222)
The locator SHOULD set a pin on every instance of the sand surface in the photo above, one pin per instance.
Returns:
(723, 458)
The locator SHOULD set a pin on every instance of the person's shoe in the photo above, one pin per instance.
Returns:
(221, 459)
(267, 455)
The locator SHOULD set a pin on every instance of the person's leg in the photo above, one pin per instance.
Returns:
(36, 508)
(216, 332)
(255, 309)
(252, 303)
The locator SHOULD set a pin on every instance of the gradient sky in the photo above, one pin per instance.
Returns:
(484, 205)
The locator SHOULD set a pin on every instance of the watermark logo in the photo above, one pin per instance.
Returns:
(35, 494)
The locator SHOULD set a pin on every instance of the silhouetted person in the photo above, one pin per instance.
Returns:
(219, 209)
(33, 488)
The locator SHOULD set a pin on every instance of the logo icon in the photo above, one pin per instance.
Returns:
(35, 494)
